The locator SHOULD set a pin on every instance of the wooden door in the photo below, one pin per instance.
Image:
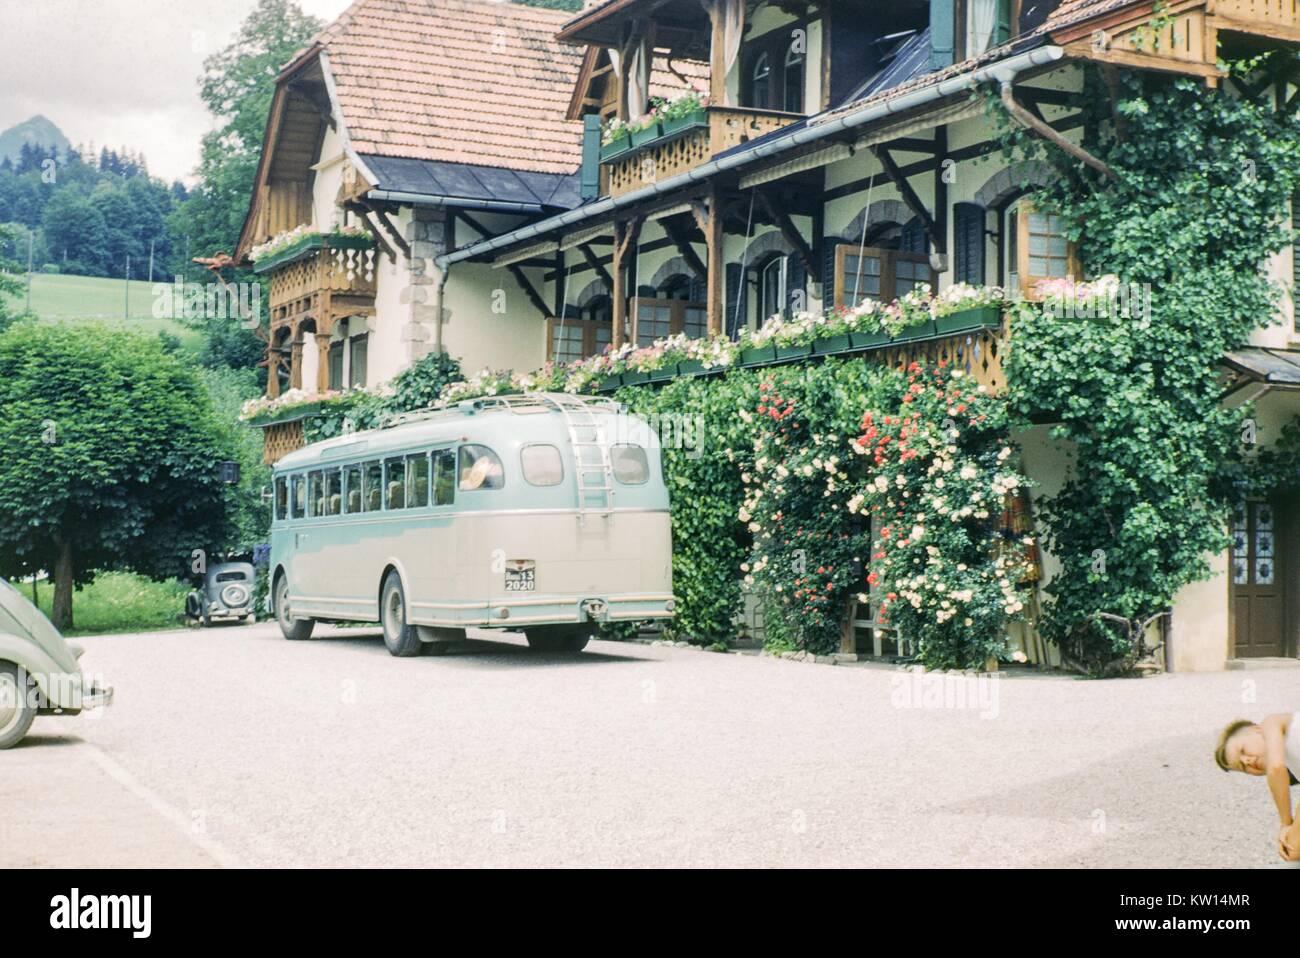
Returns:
(1258, 593)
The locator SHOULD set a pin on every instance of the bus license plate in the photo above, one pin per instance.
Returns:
(521, 575)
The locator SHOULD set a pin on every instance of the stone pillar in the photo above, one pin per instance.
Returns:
(426, 233)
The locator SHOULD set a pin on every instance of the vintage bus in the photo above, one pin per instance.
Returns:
(544, 513)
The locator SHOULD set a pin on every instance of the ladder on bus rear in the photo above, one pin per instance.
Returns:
(595, 473)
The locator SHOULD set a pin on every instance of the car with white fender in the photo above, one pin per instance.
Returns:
(39, 674)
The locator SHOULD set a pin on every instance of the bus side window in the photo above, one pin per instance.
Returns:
(333, 492)
(299, 496)
(542, 465)
(417, 481)
(395, 476)
(352, 488)
(372, 494)
(281, 497)
(629, 463)
(480, 469)
(444, 477)
(315, 494)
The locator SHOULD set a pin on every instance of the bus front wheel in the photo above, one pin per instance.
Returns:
(297, 630)
(401, 639)
(558, 638)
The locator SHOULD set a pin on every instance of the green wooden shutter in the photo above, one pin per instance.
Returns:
(590, 156)
(912, 238)
(735, 306)
(943, 31)
(829, 245)
(796, 285)
(968, 237)
(1002, 31)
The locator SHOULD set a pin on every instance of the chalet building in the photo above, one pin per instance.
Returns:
(840, 156)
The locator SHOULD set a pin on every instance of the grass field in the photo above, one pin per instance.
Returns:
(117, 602)
(81, 298)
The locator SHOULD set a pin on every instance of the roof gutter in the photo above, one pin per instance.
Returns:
(452, 202)
(1001, 71)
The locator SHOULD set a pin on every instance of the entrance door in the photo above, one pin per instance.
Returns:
(1258, 597)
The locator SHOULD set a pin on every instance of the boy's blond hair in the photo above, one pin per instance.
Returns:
(1221, 752)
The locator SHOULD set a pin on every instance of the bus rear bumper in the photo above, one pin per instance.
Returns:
(514, 612)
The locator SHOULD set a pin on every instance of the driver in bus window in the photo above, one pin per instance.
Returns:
(482, 472)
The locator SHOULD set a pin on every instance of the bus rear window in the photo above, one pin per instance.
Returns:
(480, 469)
(299, 497)
(630, 465)
(282, 498)
(541, 464)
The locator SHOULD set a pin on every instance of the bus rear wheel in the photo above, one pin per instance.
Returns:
(401, 639)
(296, 630)
(558, 638)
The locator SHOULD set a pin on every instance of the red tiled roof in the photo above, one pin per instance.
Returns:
(460, 81)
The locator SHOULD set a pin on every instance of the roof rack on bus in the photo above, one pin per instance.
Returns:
(513, 402)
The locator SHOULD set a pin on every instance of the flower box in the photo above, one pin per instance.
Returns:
(793, 352)
(968, 319)
(690, 367)
(870, 339)
(646, 135)
(829, 345)
(610, 383)
(285, 414)
(664, 373)
(917, 333)
(758, 356)
(634, 378)
(682, 123)
(615, 148)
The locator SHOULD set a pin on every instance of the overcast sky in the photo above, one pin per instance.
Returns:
(120, 72)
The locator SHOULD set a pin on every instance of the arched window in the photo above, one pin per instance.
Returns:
(771, 289)
(676, 287)
(760, 81)
(792, 101)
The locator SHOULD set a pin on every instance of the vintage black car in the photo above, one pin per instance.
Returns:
(226, 594)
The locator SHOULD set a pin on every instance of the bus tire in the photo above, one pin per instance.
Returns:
(558, 638)
(16, 711)
(401, 639)
(296, 630)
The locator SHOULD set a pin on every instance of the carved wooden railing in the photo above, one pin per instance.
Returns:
(674, 153)
(322, 282)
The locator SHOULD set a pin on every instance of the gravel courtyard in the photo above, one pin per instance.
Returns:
(235, 747)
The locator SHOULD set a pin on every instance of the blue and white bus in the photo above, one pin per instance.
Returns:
(542, 512)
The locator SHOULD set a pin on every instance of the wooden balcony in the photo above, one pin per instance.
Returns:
(323, 281)
(674, 152)
(1279, 19)
(1183, 36)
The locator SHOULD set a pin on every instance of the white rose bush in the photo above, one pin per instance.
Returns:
(939, 474)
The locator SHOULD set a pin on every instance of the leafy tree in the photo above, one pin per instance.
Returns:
(10, 284)
(75, 231)
(238, 85)
(110, 458)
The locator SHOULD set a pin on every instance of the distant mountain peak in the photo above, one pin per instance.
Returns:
(37, 131)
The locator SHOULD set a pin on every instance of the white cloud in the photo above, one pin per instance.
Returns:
(120, 73)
